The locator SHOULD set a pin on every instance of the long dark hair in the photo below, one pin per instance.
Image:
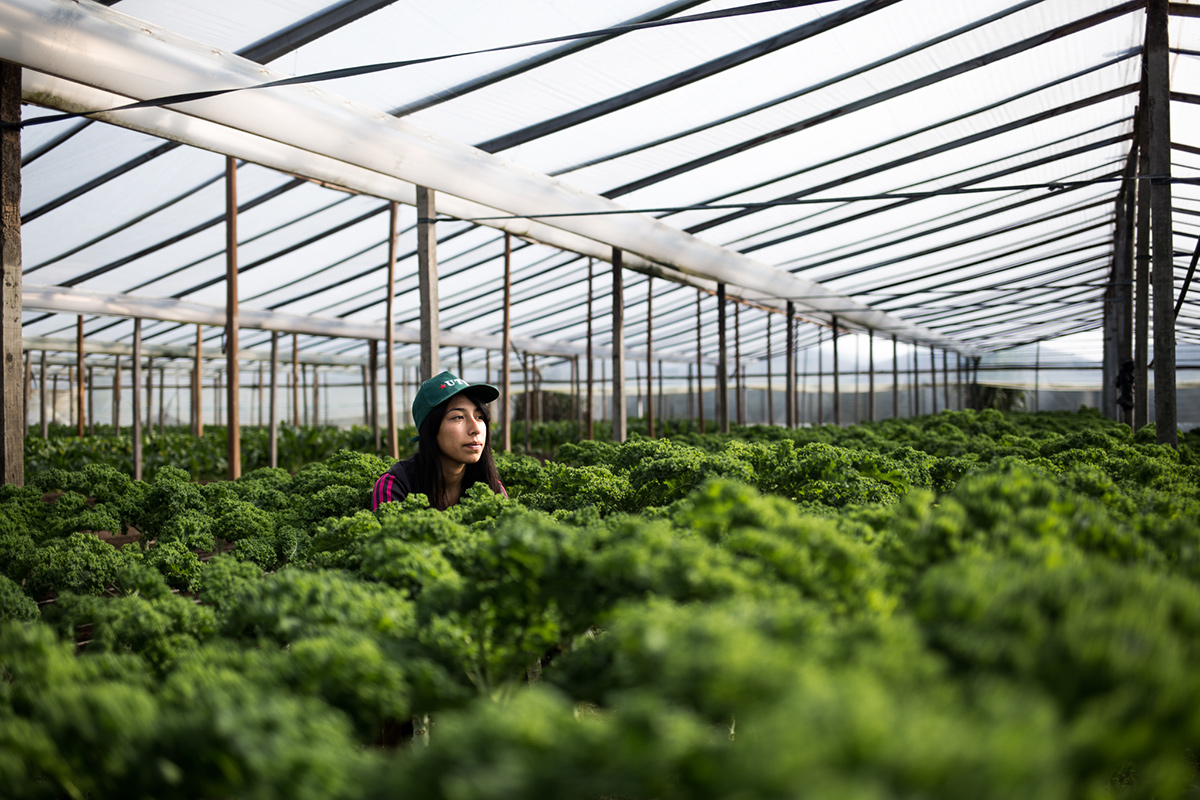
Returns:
(429, 458)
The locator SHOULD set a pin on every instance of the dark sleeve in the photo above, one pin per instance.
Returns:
(394, 485)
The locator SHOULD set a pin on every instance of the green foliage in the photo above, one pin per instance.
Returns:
(14, 604)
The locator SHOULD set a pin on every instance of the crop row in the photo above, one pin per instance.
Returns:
(966, 605)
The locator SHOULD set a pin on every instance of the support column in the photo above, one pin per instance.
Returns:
(933, 379)
(373, 388)
(895, 380)
(45, 421)
(197, 377)
(116, 387)
(591, 366)
(790, 380)
(958, 380)
(837, 368)
(91, 400)
(620, 414)
(722, 364)
(946, 380)
(770, 382)
(12, 391)
(738, 384)
(389, 323)
(699, 366)
(428, 280)
(871, 375)
(650, 356)
(820, 380)
(136, 384)
(79, 368)
(273, 436)
(162, 395)
(506, 409)
(233, 424)
(28, 389)
(526, 375)
(1158, 80)
(150, 394)
(1141, 339)
(297, 420)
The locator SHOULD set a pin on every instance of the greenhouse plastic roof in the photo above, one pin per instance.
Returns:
(953, 165)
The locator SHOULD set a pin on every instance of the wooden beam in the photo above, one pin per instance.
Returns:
(620, 415)
(233, 425)
(1158, 82)
(12, 389)
(428, 281)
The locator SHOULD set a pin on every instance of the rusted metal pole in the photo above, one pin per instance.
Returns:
(722, 361)
(12, 392)
(427, 276)
(136, 385)
(506, 409)
(233, 425)
(591, 364)
(1158, 81)
(620, 413)
(389, 322)
(650, 356)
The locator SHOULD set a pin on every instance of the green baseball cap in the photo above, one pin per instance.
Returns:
(442, 387)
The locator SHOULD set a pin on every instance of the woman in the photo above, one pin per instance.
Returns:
(454, 445)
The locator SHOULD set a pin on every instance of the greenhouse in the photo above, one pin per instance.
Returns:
(846, 358)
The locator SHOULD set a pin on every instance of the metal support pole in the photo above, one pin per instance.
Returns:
(820, 381)
(506, 409)
(1166, 421)
(233, 425)
(650, 356)
(591, 365)
(620, 413)
(390, 343)
(273, 436)
(946, 380)
(373, 388)
(79, 367)
(117, 395)
(12, 426)
(699, 365)
(722, 361)
(45, 421)
(770, 382)
(933, 378)
(790, 380)
(91, 400)
(526, 375)
(871, 375)
(197, 377)
(738, 384)
(837, 395)
(895, 380)
(149, 394)
(136, 386)
(428, 281)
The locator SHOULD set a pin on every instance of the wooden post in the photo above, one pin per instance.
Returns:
(650, 356)
(1141, 338)
(428, 282)
(620, 414)
(79, 368)
(506, 409)
(699, 365)
(1158, 80)
(273, 436)
(12, 426)
(722, 368)
(591, 364)
(197, 378)
(790, 380)
(233, 425)
(136, 385)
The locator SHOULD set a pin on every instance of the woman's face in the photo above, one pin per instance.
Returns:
(463, 431)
